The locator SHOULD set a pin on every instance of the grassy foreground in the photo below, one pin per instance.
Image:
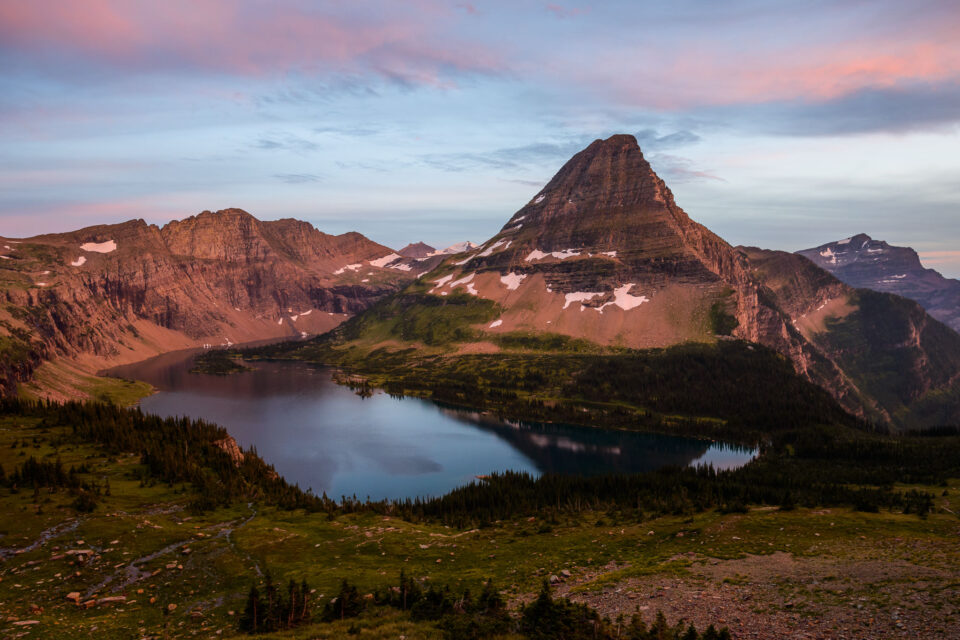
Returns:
(181, 573)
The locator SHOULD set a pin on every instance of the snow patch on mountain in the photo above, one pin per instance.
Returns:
(580, 296)
(623, 299)
(464, 280)
(459, 247)
(536, 254)
(489, 250)
(513, 280)
(442, 281)
(385, 260)
(99, 247)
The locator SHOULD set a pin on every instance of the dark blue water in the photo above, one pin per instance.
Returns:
(323, 436)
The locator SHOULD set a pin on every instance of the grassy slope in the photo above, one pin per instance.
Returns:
(601, 550)
(61, 376)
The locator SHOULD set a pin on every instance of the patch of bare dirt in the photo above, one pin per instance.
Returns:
(784, 596)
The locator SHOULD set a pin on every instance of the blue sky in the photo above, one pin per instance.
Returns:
(778, 124)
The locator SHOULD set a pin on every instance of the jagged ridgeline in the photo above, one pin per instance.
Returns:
(78, 302)
(602, 261)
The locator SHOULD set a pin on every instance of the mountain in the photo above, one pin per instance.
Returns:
(418, 250)
(77, 302)
(604, 255)
(454, 249)
(866, 263)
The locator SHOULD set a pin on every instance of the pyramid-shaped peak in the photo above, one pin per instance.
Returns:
(608, 176)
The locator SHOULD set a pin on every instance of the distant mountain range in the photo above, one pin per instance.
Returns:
(866, 263)
(602, 254)
(422, 250)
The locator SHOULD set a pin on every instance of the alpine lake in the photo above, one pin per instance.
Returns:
(325, 437)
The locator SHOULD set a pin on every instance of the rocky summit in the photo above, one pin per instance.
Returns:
(863, 262)
(417, 250)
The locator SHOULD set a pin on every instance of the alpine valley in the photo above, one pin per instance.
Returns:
(599, 306)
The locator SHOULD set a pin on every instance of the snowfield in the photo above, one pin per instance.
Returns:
(489, 250)
(621, 298)
(536, 254)
(352, 267)
(513, 280)
(624, 300)
(581, 297)
(99, 247)
(442, 281)
(385, 260)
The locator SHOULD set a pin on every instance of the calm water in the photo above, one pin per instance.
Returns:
(323, 436)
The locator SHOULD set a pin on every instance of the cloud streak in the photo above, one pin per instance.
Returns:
(239, 38)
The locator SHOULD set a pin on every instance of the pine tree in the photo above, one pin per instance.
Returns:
(251, 620)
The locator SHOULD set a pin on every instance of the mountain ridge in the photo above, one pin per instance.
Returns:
(863, 262)
(110, 294)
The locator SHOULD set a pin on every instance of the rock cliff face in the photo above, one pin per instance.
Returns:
(604, 253)
(118, 293)
(865, 263)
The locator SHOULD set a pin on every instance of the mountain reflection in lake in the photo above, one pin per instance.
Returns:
(323, 436)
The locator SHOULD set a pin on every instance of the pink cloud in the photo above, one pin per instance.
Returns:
(711, 67)
(237, 38)
(563, 12)
(432, 42)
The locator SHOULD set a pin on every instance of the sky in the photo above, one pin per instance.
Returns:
(781, 124)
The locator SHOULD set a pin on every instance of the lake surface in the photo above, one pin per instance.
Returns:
(323, 436)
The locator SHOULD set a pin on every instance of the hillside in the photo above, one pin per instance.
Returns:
(77, 302)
